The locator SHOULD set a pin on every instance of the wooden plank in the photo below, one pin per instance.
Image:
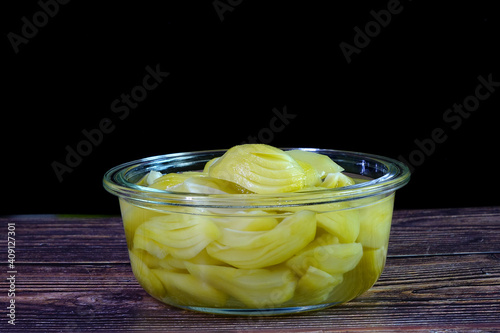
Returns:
(53, 239)
(56, 239)
(414, 293)
(443, 231)
(442, 273)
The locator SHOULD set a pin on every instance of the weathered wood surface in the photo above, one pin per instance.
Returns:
(73, 274)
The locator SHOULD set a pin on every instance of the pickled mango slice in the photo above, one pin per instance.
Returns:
(343, 224)
(208, 185)
(133, 216)
(333, 259)
(375, 223)
(256, 288)
(172, 263)
(149, 178)
(257, 249)
(185, 289)
(209, 164)
(247, 221)
(337, 179)
(144, 275)
(259, 168)
(312, 175)
(182, 236)
(173, 179)
(321, 163)
(372, 264)
(322, 239)
(315, 286)
(362, 277)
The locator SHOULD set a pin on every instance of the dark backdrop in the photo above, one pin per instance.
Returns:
(413, 80)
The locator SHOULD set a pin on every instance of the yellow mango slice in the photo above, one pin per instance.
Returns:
(315, 286)
(256, 249)
(133, 216)
(256, 288)
(333, 259)
(208, 185)
(375, 223)
(344, 224)
(322, 239)
(153, 261)
(337, 179)
(321, 163)
(259, 168)
(203, 258)
(185, 289)
(147, 279)
(149, 178)
(362, 277)
(180, 235)
(312, 175)
(173, 179)
(372, 264)
(209, 164)
(256, 220)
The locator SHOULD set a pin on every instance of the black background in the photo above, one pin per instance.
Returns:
(225, 78)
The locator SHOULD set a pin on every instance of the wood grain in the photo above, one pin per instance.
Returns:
(56, 239)
(442, 274)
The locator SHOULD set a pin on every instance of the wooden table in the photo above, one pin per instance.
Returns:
(72, 273)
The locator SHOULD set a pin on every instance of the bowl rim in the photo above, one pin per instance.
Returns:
(115, 181)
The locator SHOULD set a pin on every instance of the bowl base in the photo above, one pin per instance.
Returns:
(260, 312)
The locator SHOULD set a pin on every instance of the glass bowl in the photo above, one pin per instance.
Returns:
(255, 254)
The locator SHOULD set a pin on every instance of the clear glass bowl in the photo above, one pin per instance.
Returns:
(252, 254)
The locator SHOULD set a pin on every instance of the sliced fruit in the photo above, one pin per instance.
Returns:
(133, 216)
(149, 178)
(259, 168)
(185, 289)
(372, 264)
(344, 224)
(362, 277)
(172, 263)
(375, 223)
(180, 235)
(209, 164)
(315, 286)
(256, 249)
(256, 220)
(322, 238)
(208, 185)
(144, 275)
(333, 259)
(172, 179)
(152, 176)
(321, 163)
(256, 288)
(312, 175)
(337, 179)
